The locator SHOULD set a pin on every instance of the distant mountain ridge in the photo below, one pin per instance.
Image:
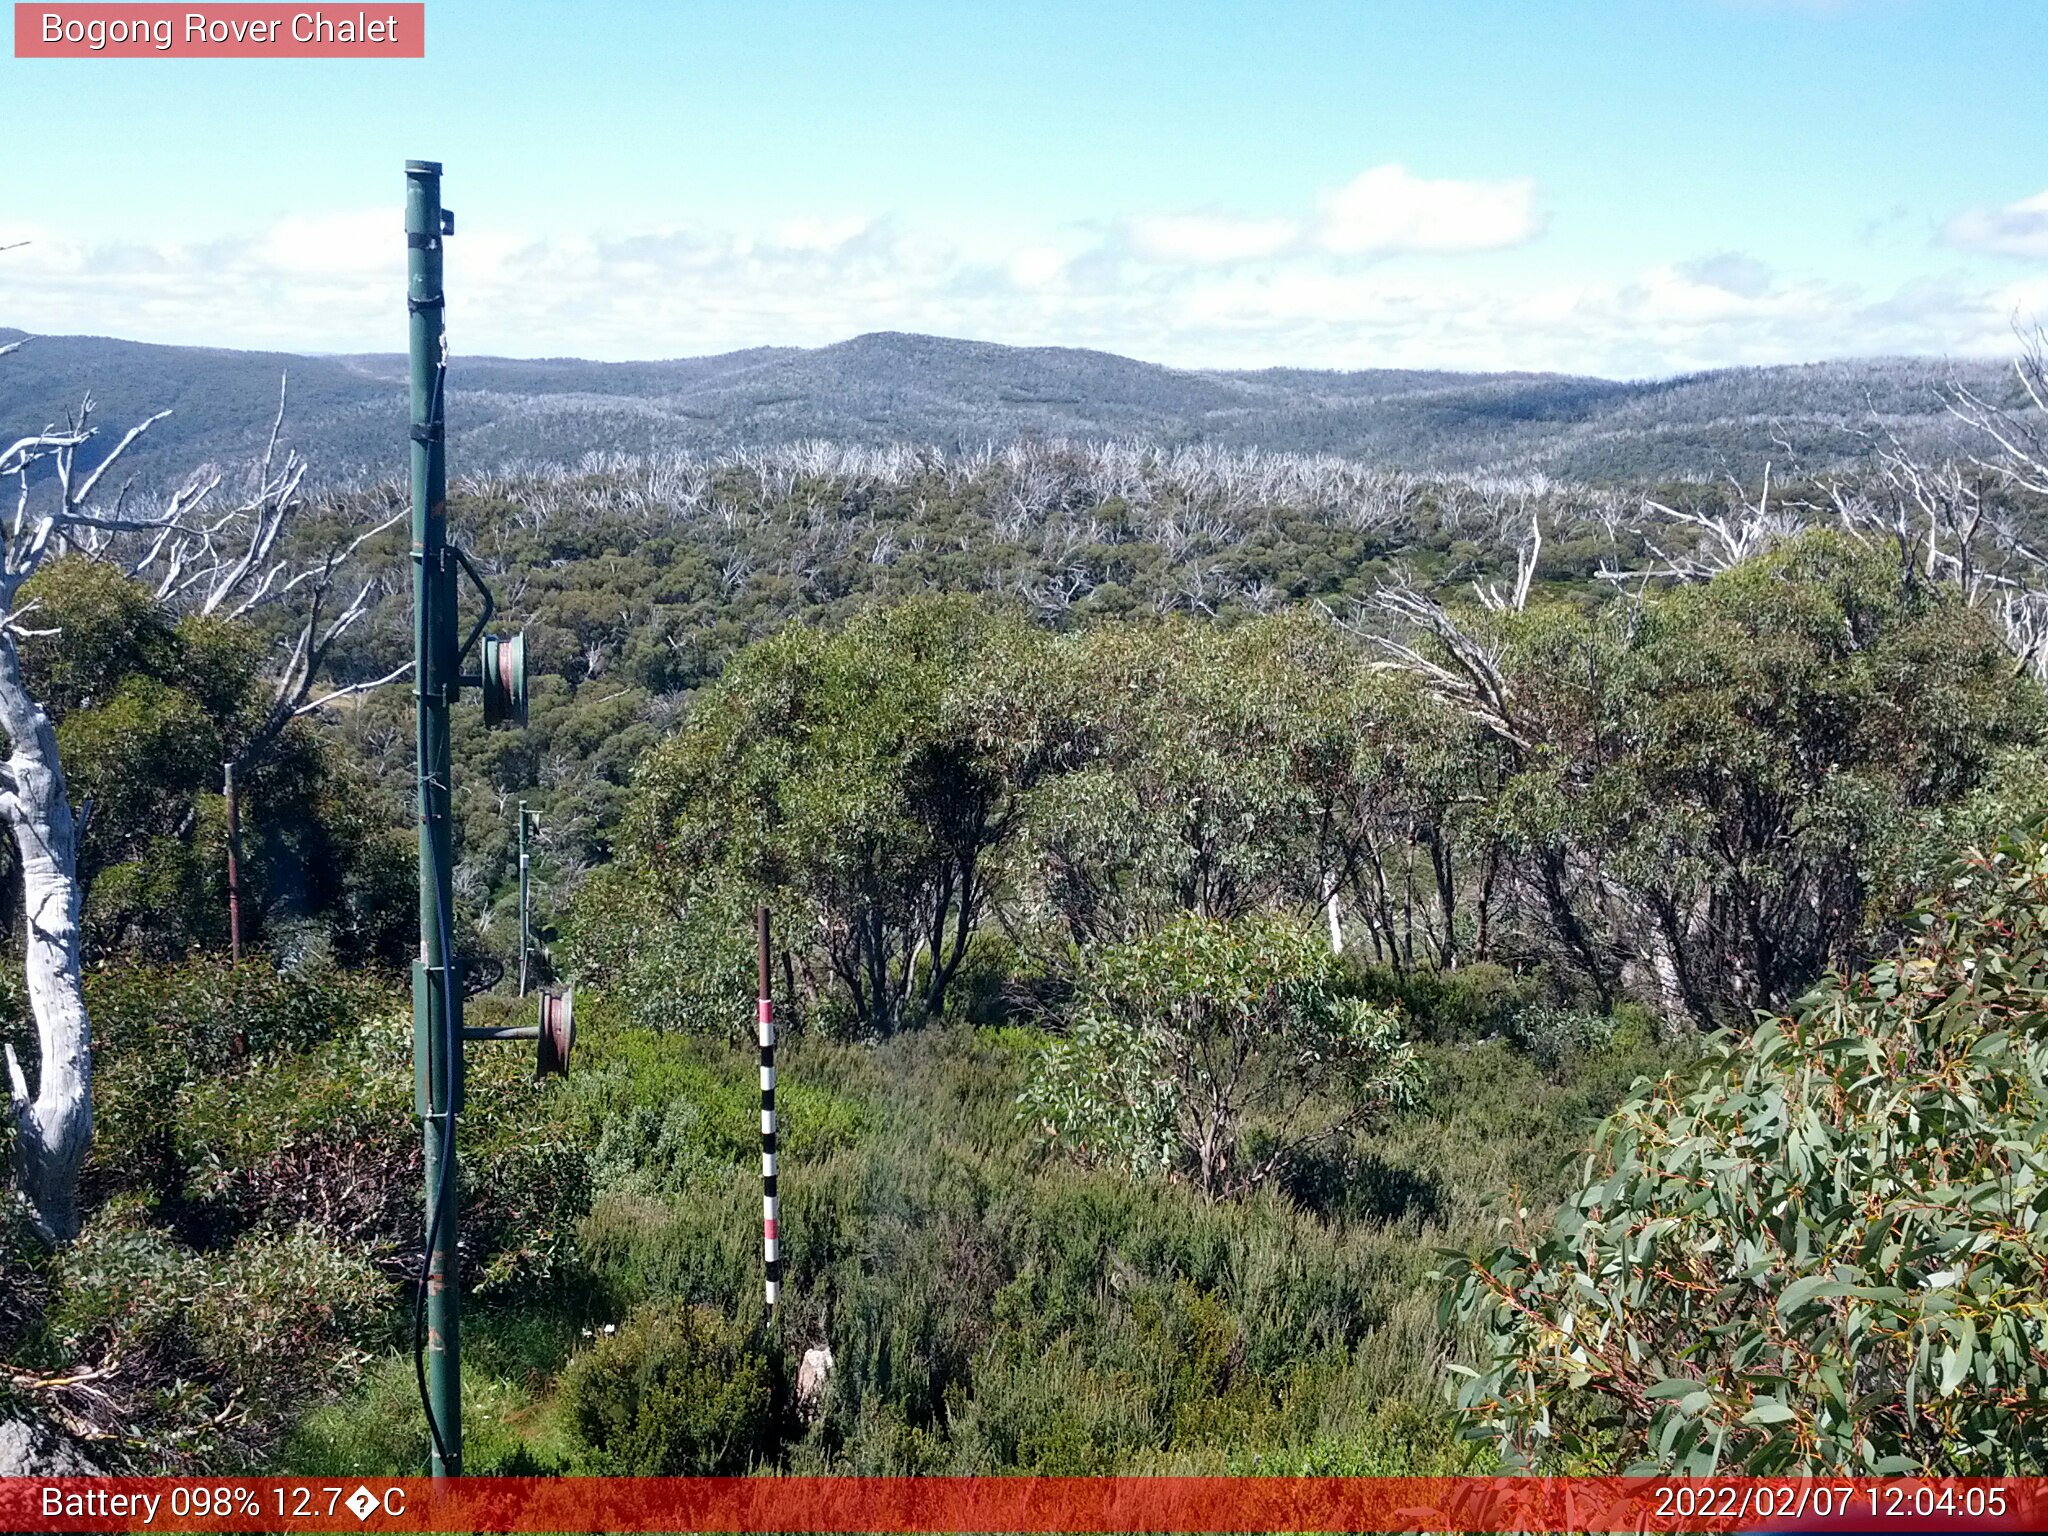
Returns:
(348, 412)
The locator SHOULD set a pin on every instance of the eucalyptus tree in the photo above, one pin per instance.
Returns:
(839, 777)
(1711, 792)
(1168, 787)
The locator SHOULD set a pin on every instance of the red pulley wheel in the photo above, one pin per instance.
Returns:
(557, 1031)
(504, 680)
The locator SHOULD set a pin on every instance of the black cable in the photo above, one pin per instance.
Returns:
(446, 1183)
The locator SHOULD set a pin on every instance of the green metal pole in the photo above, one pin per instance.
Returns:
(525, 926)
(437, 1005)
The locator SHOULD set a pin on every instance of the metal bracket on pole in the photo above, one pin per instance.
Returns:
(554, 1036)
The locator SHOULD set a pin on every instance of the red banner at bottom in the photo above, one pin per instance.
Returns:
(997, 1504)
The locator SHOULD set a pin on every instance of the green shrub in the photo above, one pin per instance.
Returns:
(121, 1275)
(323, 1135)
(1468, 1002)
(527, 1147)
(1219, 1051)
(1054, 1415)
(1553, 1035)
(1827, 1253)
(668, 964)
(195, 1341)
(284, 1315)
(986, 1301)
(221, 1030)
(326, 1135)
(676, 1392)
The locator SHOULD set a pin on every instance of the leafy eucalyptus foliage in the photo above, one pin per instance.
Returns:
(1827, 1253)
(1218, 1052)
(1182, 767)
(837, 777)
(1699, 798)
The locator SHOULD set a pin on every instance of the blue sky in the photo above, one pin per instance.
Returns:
(1628, 187)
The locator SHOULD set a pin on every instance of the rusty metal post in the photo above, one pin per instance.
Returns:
(234, 862)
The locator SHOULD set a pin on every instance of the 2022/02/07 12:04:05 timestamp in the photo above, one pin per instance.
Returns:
(1887, 1501)
(185, 1501)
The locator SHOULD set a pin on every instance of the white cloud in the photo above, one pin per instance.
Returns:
(2024, 303)
(1730, 271)
(1208, 239)
(1238, 297)
(812, 234)
(2015, 229)
(1038, 266)
(359, 242)
(1382, 212)
(1385, 211)
(1659, 321)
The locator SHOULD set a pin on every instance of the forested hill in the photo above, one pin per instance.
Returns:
(347, 413)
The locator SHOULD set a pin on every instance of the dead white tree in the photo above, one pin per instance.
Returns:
(53, 1126)
(1469, 677)
(1942, 518)
(218, 559)
(1527, 554)
(232, 562)
(2015, 456)
(2018, 435)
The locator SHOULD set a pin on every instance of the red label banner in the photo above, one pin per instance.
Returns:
(242, 31)
(993, 1504)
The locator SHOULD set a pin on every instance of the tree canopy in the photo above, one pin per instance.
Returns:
(148, 704)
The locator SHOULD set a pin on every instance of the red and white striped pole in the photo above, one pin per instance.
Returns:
(765, 1017)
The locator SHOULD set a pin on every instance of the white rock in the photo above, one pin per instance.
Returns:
(813, 1380)
(35, 1450)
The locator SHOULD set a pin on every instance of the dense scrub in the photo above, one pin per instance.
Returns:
(992, 1306)
(253, 1184)
(1699, 800)
(638, 580)
(1191, 930)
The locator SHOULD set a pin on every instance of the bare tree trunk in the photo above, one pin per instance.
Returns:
(1446, 897)
(54, 1126)
(234, 801)
(1408, 903)
(1550, 884)
(1483, 939)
